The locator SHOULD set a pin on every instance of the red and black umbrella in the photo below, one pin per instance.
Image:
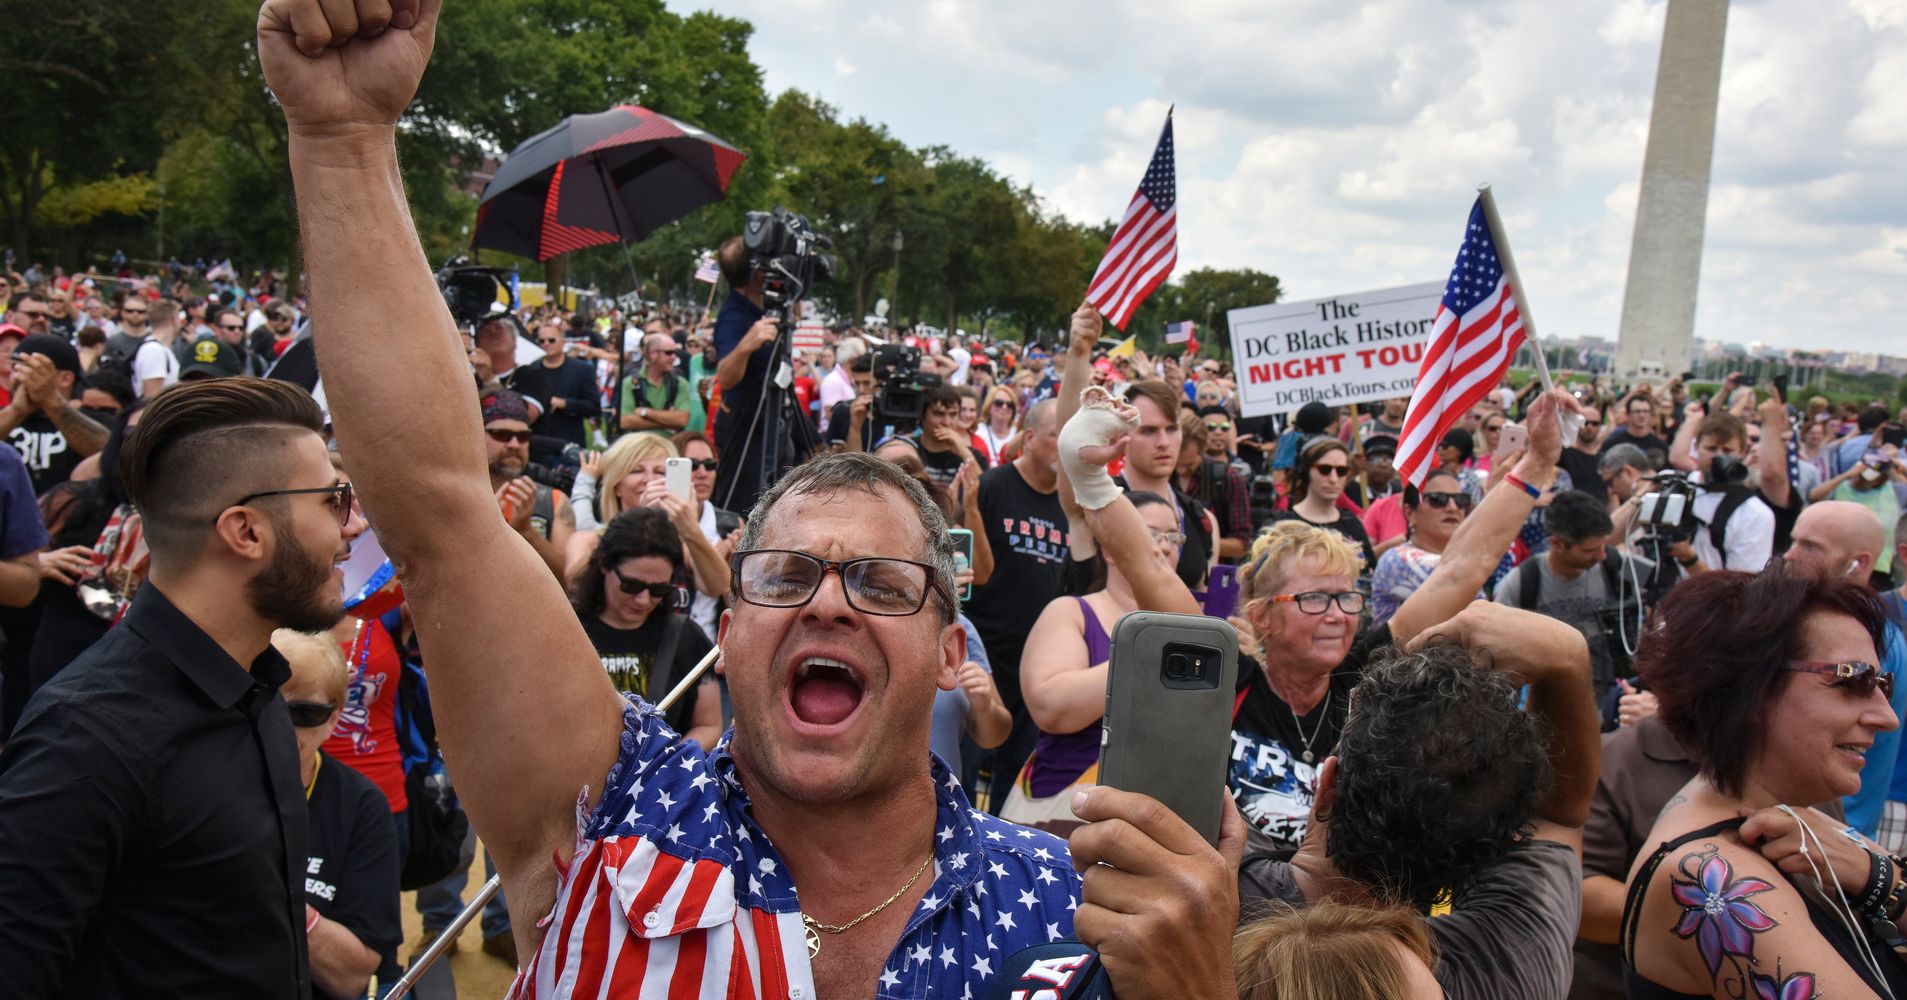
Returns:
(611, 177)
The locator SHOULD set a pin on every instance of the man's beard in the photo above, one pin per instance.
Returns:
(505, 468)
(292, 591)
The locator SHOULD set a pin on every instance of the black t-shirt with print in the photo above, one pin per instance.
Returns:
(629, 655)
(1347, 525)
(351, 871)
(49, 459)
(943, 467)
(1026, 530)
(1268, 776)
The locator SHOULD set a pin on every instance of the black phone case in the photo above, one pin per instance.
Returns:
(1165, 739)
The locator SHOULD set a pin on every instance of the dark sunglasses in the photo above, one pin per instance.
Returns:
(502, 436)
(547, 342)
(1439, 500)
(342, 501)
(996, 404)
(635, 587)
(310, 714)
(1218, 427)
(1859, 678)
(1592, 423)
(704, 464)
(1332, 470)
(231, 326)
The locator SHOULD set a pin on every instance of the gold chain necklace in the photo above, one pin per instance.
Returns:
(811, 925)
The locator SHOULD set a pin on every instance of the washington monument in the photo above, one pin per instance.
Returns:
(1665, 256)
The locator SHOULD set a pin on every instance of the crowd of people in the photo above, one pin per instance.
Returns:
(1607, 705)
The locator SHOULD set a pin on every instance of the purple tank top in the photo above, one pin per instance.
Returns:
(1060, 758)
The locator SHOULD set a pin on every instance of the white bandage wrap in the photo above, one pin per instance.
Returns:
(1098, 421)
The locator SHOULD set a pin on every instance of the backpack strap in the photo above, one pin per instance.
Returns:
(1639, 886)
(1529, 584)
(1718, 528)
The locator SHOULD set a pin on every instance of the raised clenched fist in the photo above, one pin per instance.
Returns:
(339, 66)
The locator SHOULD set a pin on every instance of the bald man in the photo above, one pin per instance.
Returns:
(1836, 538)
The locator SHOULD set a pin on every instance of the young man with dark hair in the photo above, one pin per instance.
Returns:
(102, 893)
(1579, 579)
(563, 387)
(852, 422)
(1639, 428)
(944, 447)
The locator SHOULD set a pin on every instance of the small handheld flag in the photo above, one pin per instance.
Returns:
(1146, 245)
(1180, 332)
(706, 271)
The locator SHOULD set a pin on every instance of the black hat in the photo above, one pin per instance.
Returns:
(56, 349)
(1380, 444)
(1314, 417)
(211, 358)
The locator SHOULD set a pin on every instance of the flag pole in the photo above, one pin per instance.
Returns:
(1503, 253)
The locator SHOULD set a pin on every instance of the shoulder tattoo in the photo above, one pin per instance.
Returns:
(1721, 915)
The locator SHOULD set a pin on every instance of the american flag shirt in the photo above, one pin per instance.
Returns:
(674, 892)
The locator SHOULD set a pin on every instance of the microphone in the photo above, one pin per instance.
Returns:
(1058, 970)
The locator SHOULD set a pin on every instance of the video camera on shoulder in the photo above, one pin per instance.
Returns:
(471, 290)
(901, 396)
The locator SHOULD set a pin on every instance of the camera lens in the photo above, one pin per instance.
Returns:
(1177, 667)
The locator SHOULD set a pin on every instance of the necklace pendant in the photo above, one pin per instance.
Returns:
(814, 941)
(1309, 757)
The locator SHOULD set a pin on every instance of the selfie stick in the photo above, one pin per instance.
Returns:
(1571, 423)
(490, 889)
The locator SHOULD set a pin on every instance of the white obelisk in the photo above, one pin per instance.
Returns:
(1665, 257)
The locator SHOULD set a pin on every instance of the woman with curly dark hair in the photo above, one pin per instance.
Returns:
(1771, 681)
(628, 601)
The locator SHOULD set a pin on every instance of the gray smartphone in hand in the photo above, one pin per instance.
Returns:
(1167, 729)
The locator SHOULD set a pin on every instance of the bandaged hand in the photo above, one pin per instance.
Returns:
(1089, 441)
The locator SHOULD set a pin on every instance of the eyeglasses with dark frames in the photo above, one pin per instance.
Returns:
(310, 714)
(1858, 677)
(343, 499)
(658, 591)
(1317, 602)
(874, 585)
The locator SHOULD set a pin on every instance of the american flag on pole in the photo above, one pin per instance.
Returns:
(1180, 332)
(1474, 335)
(1146, 245)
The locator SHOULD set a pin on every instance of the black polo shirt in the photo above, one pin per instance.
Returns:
(152, 823)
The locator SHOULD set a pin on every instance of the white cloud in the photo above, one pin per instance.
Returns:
(1338, 145)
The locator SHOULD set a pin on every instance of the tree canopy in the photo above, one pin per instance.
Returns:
(138, 128)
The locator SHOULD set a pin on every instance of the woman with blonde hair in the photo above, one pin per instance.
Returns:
(1332, 951)
(629, 475)
(999, 423)
(1298, 599)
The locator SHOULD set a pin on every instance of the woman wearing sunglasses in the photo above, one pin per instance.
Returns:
(1770, 681)
(1432, 516)
(997, 423)
(1318, 482)
(351, 876)
(626, 598)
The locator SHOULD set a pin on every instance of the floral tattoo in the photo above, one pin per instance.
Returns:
(1718, 911)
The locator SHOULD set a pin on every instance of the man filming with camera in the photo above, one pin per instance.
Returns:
(744, 340)
(1734, 527)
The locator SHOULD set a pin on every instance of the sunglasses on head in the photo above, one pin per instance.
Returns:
(501, 436)
(310, 714)
(1859, 678)
(1439, 500)
(637, 587)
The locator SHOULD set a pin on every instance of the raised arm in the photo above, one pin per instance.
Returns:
(1479, 543)
(522, 742)
(1771, 459)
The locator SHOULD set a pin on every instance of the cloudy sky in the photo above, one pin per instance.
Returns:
(1338, 145)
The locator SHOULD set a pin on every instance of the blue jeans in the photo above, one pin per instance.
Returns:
(439, 904)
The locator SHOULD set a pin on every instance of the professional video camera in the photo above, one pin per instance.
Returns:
(901, 397)
(470, 290)
(786, 249)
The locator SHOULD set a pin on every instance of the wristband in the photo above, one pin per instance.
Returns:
(1896, 901)
(312, 920)
(1514, 480)
(1880, 878)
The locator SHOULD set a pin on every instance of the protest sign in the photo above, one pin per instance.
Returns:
(1337, 350)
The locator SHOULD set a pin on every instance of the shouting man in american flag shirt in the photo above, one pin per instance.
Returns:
(819, 850)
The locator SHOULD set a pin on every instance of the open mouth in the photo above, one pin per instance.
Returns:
(1853, 750)
(825, 692)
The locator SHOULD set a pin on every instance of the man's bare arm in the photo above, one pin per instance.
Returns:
(522, 741)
